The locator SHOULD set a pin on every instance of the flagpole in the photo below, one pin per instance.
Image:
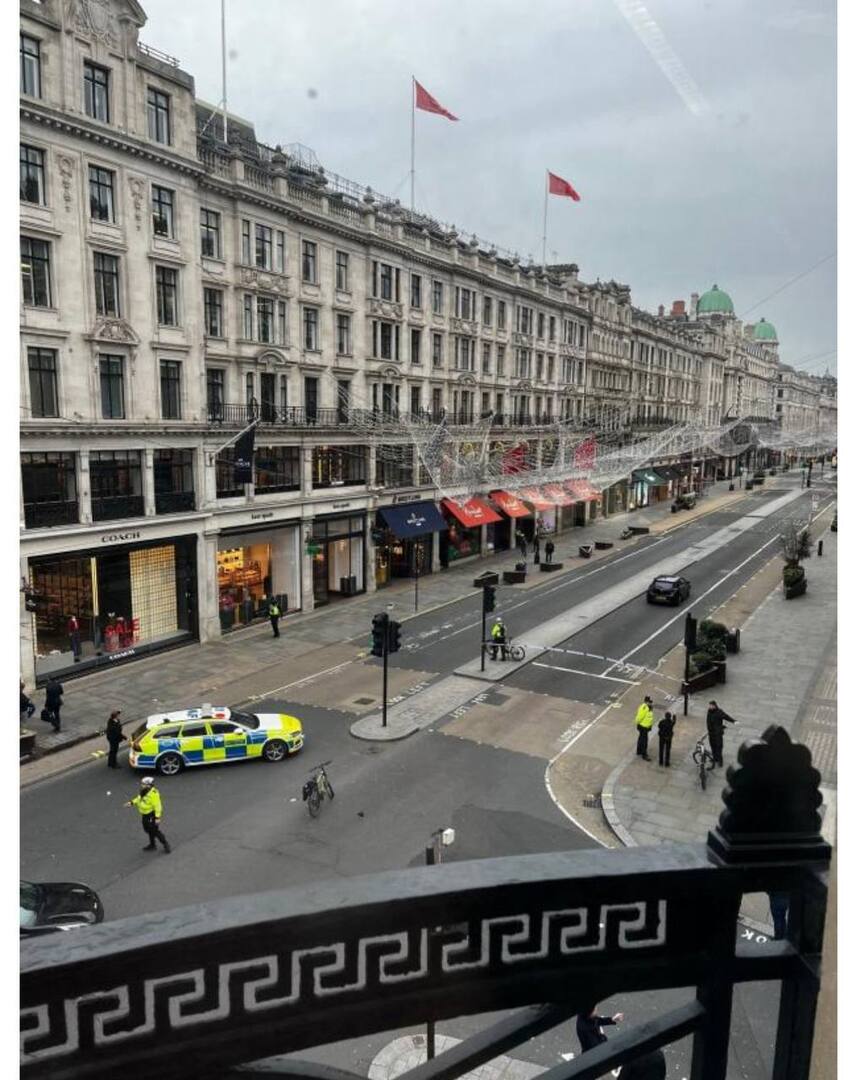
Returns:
(225, 103)
(412, 151)
(545, 222)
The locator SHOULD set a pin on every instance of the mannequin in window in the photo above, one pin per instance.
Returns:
(73, 632)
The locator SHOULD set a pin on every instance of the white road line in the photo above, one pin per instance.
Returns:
(589, 674)
(298, 682)
(692, 603)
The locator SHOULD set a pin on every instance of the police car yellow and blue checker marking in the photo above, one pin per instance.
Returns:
(224, 738)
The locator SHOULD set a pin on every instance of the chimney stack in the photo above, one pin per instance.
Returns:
(678, 308)
(693, 305)
(661, 311)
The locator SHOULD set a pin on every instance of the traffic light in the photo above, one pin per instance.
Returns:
(393, 636)
(490, 599)
(690, 633)
(377, 643)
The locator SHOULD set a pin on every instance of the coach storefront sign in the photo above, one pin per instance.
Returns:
(120, 537)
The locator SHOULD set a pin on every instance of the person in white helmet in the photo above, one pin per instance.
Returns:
(150, 806)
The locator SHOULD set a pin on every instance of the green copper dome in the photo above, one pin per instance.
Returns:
(715, 300)
(764, 331)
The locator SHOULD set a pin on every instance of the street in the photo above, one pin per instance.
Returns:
(245, 828)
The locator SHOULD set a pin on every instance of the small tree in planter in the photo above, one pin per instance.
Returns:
(796, 544)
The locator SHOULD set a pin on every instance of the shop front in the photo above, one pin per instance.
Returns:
(564, 501)
(463, 536)
(646, 489)
(546, 511)
(405, 540)
(99, 606)
(512, 507)
(338, 551)
(616, 498)
(587, 501)
(675, 477)
(253, 565)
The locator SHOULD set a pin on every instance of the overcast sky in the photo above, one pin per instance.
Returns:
(703, 141)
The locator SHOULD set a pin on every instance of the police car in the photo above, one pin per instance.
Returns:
(170, 741)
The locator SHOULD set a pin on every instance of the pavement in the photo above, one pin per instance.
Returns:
(236, 668)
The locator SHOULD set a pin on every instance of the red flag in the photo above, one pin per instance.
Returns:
(426, 101)
(558, 186)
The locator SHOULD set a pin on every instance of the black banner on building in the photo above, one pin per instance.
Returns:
(243, 473)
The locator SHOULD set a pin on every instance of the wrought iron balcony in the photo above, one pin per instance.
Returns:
(299, 416)
(117, 506)
(217, 986)
(174, 502)
(47, 514)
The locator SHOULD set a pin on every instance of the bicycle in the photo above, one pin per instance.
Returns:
(704, 759)
(513, 652)
(316, 788)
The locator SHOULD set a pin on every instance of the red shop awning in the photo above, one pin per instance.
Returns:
(559, 494)
(472, 513)
(583, 490)
(510, 504)
(535, 496)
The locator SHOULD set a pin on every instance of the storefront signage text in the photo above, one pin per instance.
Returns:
(340, 506)
(120, 538)
(262, 514)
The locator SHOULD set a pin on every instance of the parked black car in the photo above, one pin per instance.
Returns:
(57, 905)
(668, 590)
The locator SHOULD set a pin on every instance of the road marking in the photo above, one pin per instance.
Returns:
(692, 604)
(300, 682)
(589, 674)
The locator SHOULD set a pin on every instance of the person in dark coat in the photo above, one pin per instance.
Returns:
(549, 551)
(716, 718)
(779, 913)
(114, 734)
(536, 558)
(588, 1027)
(665, 731)
(53, 701)
(26, 708)
(522, 546)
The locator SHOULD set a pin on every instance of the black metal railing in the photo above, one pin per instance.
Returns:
(117, 506)
(48, 514)
(174, 502)
(229, 982)
(300, 416)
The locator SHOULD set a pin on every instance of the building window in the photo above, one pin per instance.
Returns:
(385, 281)
(501, 314)
(215, 390)
(213, 313)
(436, 402)
(344, 334)
(111, 387)
(437, 350)
(106, 280)
(159, 126)
(265, 318)
(248, 317)
(501, 359)
(415, 346)
(278, 468)
(335, 466)
(540, 325)
(115, 484)
(415, 290)
(552, 327)
(246, 255)
(341, 271)
(31, 67)
(101, 193)
(465, 303)
(311, 329)
(173, 481)
(170, 389)
(42, 365)
(394, 465)
(264, 247)
(309, 271)
(209, 227)
(415, 401)
(487, 310)
(163, 207)
(167, 296)
(96, 92)
(32, 178)
(486, 358)
(437, 297)
(281, 251)
(281, 322)
(49, 489)
(36, 271)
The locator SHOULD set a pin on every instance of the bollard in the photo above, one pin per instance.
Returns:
(819, 547)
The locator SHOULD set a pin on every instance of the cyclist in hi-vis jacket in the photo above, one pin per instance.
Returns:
(498, 636)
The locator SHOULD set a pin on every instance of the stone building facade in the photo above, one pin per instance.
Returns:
(177, 284)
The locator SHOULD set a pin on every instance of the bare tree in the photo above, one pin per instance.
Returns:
(795, 543)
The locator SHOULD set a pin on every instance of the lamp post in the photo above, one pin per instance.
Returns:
(433, 855)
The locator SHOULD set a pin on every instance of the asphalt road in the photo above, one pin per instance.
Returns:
(244, 828)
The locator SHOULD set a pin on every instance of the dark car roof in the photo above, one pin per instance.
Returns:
(668, 580)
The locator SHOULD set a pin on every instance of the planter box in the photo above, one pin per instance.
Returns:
(731, 487)
(701, 682)
(798, 589)
(748, 486)
(585, 551)
(28, 743)
(733, 641)
(514, 577)
(488, 578)
(758, 480)
(603, 545)
(640, 530)
(550, 567)
(720, 667)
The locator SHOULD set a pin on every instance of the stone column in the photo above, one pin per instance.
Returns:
(205, 479)
(306, 565)
(370, 552)
(208, 591)
(85, 514)
(26, 630)
(147, 479)
(306, 473)
(483, 542)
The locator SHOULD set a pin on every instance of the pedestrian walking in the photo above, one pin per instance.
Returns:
(644, 722)
(114, 735)
(536, 557)
(53, 701)
(716, 718)
(779, 913)
(26, 708)
(274, 614)
(522, 546)
(589, 1025)
(549, 551)
(665, 731)
(150, 806)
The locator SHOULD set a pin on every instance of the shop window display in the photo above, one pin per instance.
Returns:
(244, 579)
